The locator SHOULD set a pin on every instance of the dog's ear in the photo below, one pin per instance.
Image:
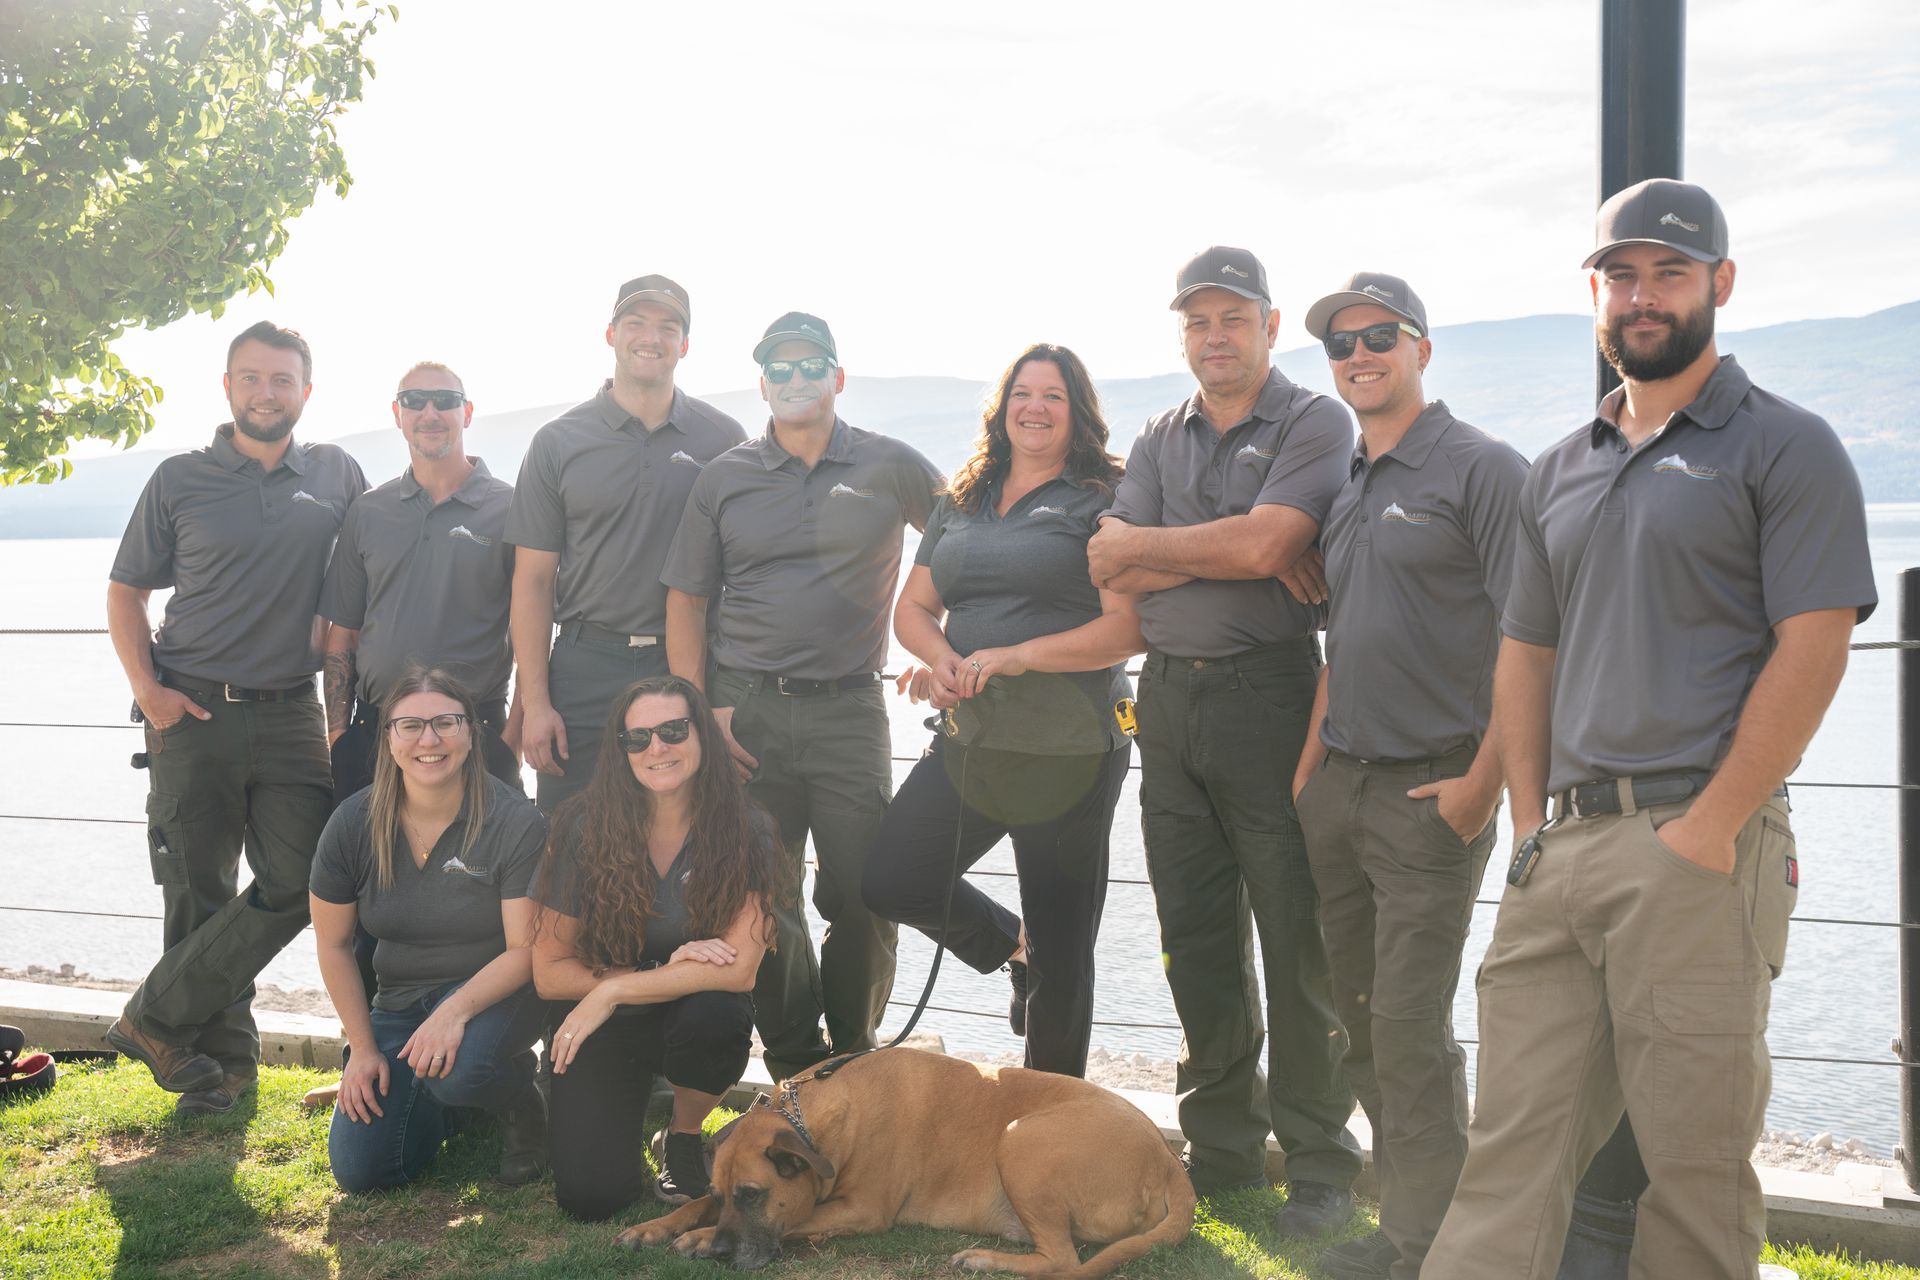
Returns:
(789, 1156)
(724, 1132)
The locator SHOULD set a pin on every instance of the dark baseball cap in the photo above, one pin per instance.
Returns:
(1376, 287)
(1661, 211)
(796, 324)
(1222, 268)
(655, 289)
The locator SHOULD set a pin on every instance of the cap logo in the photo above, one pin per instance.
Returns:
(1377, 291)
(461, 531)
(1231, 270)
(807, 328)
(1675, 220)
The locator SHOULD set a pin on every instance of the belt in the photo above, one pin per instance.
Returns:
(1602, 796)
(492, 713)
(1458, 755)
(215, 690)
(618, 639)
(800, 686)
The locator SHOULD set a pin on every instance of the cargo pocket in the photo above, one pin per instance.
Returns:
(1707, 1061)
(164, 844)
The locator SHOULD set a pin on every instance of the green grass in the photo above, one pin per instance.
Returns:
(99, 1179)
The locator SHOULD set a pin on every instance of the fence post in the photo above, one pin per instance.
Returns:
(1907, 661)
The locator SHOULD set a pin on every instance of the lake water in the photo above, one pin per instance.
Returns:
(1837, 998)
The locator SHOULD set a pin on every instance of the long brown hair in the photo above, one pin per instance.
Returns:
(606, 826)
(1088, 461)
(389, 784)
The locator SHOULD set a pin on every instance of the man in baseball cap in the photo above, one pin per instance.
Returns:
(1642, 927)
(595, 509)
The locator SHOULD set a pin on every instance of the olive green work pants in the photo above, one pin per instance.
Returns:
(1219, 739)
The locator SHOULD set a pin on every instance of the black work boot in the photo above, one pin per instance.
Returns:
(523, 1136)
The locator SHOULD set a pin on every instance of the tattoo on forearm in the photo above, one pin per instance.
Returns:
(338, 681)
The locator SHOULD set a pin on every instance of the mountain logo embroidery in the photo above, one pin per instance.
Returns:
(1398, 514)
(1675, 220)
(1678, 465)
(1233, 270)
(453, 865)
(844, 490)
(1377, 291)
(681, 455)
(1251, 451)
(301, 495)
(461, 531)
(1047, 511)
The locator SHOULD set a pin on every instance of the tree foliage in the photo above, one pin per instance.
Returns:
(151, 157)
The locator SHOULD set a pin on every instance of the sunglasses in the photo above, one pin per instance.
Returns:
(407, 728)
(438, 399)
(1380, 338)
(672, 732)
(813, 368)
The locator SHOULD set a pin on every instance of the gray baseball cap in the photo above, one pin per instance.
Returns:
(1361, 288)
(796, 324)
(1220, 267)
(1661, 211)
(655, 289)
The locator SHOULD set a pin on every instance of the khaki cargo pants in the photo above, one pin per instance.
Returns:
(1624, 975)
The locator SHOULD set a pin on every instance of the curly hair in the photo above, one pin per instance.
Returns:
(1088, 461)
(731, 842)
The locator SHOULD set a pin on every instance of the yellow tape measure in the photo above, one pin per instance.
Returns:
(1124, 717)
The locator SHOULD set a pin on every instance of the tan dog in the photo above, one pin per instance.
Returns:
(906, 1136)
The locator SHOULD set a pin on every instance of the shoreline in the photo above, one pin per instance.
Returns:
(1818, 1153)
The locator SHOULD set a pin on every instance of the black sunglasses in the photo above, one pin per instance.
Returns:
(813, 368)
(1380, 338)
(672, 732)
(438, 399)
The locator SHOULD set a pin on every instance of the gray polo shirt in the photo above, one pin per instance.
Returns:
(1007, 579)
(606, 493)
(801, 564)
(245, 552)
(440, 923)
(668, 926)
(1659, 572)
(426, 584)
(1291, 451)
(1419, 547)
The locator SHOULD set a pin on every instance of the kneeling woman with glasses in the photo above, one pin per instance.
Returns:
(435, 859)
(655, 908)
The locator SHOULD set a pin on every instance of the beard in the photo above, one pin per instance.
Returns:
(266, 433)
(1687, 336)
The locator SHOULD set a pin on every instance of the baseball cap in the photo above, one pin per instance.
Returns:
(655, 289)
(1362, 287)
(1661, 211)
(796, 324)
(1221, 267)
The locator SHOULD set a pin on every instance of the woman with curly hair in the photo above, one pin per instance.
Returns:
(655, 910)
(1026, 670)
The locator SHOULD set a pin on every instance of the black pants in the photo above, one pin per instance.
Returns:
(597, 1125)
(1059, 811)
(354, 751)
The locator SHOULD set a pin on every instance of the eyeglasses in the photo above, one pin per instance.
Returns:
(1380, 338)
(438, 399)
(813, 368)
(672, 732)
(407, 728)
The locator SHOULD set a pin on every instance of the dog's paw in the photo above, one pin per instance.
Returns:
(695, 1244)
(644, 1235)
(974, 1260)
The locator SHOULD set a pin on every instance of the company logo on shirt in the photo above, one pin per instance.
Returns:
(301, 495)
(1678, 465)
(1251, 451)
(453, 864)
(1047, 511)
(1675, 220)
(461, 531)
(844, 490)
(681, 455)
(1400, 515)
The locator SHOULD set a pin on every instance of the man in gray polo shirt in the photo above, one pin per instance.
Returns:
(798, 535)
(422, 574)
(1689, 568)
(1398, 783)
(1223, 495)
(595, 509)
(236, 744)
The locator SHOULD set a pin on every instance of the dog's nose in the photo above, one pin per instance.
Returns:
(723, 1244)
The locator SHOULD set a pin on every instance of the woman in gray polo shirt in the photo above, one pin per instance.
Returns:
(1026, 673)
(435, 859)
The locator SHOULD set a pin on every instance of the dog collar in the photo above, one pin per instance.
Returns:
(787, 1104)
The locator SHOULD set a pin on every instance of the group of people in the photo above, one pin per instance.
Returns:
(1635, 638)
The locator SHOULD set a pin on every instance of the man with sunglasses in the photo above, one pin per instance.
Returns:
(1223, 498)
(793, 540)
(422, 574)
(1687, 573)
(595, 509)
(1398, 783)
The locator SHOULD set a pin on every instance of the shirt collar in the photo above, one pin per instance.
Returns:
(773, 456)
(1416, 445)
(1711, 410)
(618, 419)
(471, 490)
(230, 457)
(1270, 407)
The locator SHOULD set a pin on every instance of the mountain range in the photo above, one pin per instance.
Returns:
(1527, 380)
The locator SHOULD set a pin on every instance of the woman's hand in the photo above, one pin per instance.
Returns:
(587, 1017)
(363, 1083)
(434, 1044)
(706, 951)
(984, 664)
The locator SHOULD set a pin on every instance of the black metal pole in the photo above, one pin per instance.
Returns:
(1908, 663)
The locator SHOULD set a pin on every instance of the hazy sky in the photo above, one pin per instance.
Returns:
(945, 184)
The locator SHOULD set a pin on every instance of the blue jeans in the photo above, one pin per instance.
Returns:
(492, 1067)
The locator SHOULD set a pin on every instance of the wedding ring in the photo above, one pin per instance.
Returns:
(567, 1034)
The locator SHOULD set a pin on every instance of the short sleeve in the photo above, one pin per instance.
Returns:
(537, 517)
(343, 857)
(1533, 610)
(1314, 457)
(936, 526)
(521, 854)
(1137, 500)
(1491, 490)
(1813, 526)
(356, 480)
(920, 484)
(343, 597)
(145, 558)
(693, 562)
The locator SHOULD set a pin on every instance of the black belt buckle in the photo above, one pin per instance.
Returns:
(795, 687)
